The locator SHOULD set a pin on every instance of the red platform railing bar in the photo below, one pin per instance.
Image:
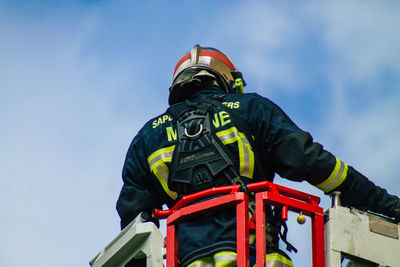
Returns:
(186, 200)
(266, 193)
(311, 210)
(242, 203)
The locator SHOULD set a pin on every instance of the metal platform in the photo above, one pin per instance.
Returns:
(138, 239)
(364, 239)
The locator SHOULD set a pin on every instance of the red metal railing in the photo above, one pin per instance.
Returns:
(266, 193)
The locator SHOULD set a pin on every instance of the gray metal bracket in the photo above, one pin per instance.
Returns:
(364, 238)
(138, 239)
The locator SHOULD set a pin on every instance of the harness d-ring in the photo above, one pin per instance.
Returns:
(196, 134)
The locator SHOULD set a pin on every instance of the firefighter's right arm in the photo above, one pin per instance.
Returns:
(138, 192)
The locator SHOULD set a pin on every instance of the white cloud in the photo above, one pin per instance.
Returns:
(364, 37)
(369, 140)
(264, 36)
(63, 144)
(364, 85)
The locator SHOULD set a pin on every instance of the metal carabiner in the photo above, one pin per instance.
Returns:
(196, 134)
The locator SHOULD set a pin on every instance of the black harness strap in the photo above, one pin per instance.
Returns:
(199, 157)
(242, 126)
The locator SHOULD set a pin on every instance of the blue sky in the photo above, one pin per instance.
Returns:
(78, 79)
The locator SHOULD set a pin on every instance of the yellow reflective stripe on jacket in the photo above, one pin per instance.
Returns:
(225, 259)
(246, 155)
(337, 177)
(202, 262)
(277, 260)
(163, 153)
(219, 259)
(229, 258)
(157, 162)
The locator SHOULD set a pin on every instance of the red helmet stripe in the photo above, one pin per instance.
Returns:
(210, 53)
(183, 59)
(218, 55)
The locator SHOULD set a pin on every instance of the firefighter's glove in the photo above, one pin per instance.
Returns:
(390, 206)
(396, 211)
(387, 204)
(361, 193)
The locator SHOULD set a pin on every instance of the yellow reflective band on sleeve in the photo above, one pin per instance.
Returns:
(157, 163)
(336, 178)
(165, 152)
(277, 260)
(246, 154)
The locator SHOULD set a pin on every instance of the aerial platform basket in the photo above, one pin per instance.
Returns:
(127, 245)
(362, 238)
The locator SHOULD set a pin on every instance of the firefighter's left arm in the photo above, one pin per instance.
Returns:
(297, 157)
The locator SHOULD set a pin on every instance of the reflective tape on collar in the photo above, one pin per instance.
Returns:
(336, 178)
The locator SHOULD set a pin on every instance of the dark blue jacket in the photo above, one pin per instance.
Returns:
(283, 148)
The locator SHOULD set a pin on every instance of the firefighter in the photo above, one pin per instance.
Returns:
(214, 134)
